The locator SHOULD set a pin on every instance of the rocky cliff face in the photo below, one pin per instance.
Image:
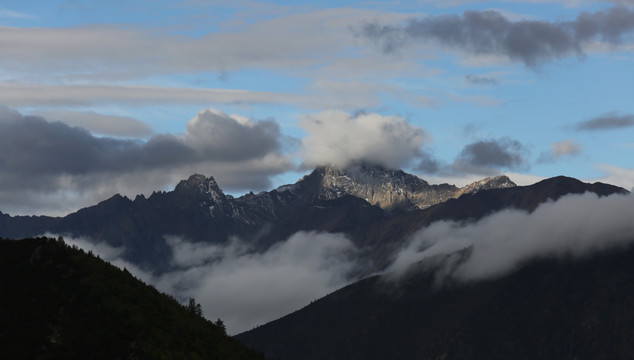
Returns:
(390, 189)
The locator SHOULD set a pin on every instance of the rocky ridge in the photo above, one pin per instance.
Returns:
(390, 189)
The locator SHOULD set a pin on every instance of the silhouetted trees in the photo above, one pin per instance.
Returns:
(194, 308)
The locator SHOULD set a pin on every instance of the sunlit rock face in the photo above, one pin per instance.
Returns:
(394, 188)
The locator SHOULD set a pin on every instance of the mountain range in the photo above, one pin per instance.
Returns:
(548, 308)
(328, 199)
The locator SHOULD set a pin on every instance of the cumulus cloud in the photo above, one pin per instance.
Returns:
(608, 121)
(490, 156)
(575, 225)
(489, 32)
(340, 139)
(42, 160)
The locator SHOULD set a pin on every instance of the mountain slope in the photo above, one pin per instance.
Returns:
(383, 238)
(549, 309)
(58, 302)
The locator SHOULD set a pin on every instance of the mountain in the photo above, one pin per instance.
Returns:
(383, 238)
(549, 309)
(389, 188)
(60, 303)
(328, 199)
(376, 208)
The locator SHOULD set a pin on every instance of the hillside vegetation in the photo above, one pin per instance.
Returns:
(59, 302)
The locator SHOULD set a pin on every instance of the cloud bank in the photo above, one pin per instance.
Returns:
(44, 161)
(489, 32)
(244, 288)
(341, 139)
(575, 225)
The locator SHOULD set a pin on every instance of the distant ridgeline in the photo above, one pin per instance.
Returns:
(376, 208)
(58, 302)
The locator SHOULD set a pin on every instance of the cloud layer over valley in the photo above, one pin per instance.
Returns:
(573, 226)
(242, 287)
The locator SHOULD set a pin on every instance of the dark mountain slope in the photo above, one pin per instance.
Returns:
(25, 226)
(386, 236)
(550, 309)
(60, 303)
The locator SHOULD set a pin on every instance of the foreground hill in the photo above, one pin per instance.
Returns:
(549, 309)
(61, 303)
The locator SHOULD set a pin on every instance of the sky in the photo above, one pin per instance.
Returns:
(131, 96)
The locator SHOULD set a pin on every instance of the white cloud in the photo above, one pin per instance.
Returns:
(575, 225)
(246, 289)
(242, 287)
(616, 176)
(565, 148)
(340, 139)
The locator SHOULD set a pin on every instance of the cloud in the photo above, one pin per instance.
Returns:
(575, 225)
(112, 125)
(10, 14)
(102, 64)
(19, 94)
(219, 136)
(289, 42)
(565, 148)
(531, 42)
(106, 252)
(242, 287)
(616, 176)
(246, 289)
(42, 162)
(480, 79)
(340, 139)
(608, 121)
(489, 156)
(560, 149)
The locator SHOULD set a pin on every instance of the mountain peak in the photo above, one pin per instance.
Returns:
(391, 188)
(496, 182)
(200, 184)
(386, 188)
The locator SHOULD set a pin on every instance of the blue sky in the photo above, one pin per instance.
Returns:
(256, 93)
